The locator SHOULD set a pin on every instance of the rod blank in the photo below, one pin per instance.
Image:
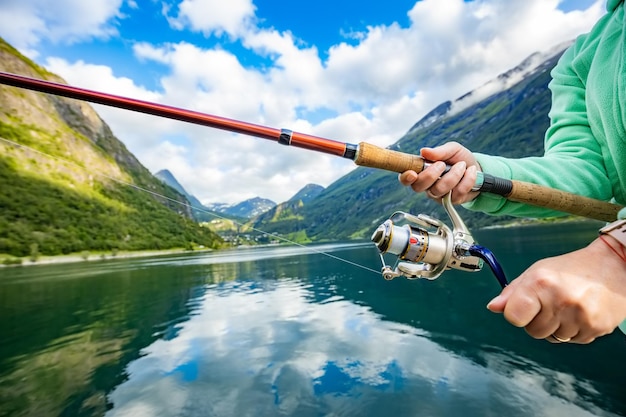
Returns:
(364, 155)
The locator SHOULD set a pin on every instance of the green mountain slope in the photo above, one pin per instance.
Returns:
(510, 123)
(308, 193)
(63, 176)
(199, 212)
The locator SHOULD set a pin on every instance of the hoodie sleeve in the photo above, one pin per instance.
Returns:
(572, 160)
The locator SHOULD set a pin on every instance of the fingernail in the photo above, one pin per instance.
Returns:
(492, 302)
(408, 178)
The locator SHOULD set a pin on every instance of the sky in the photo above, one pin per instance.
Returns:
(350, 70)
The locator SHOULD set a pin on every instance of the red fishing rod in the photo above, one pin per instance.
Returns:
(283, 136)
(363, 154)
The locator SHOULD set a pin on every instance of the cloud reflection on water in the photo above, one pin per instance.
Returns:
(250, 350)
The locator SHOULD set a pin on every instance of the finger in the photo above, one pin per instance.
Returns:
(524, 303)
(497, 304)
(407, 178)
(564, 334)
(583, 339)
(587, 334)
(432, 196)
(428, 177)
(567, 327)
(522, 307)
(557, 339)
(451, 152)
(463, 191)
(450, 180)
(543, 326)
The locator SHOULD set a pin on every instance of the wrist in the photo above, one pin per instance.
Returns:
(613, 235)
(617, 230)
(614, 245)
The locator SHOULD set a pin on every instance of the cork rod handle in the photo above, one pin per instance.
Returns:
(373, 156)
(522, 192)
(540, 196)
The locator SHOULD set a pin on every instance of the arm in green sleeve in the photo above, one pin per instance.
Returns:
(573, 157)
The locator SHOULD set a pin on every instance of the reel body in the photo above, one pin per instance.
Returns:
(425, 247)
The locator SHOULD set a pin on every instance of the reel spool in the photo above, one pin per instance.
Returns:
(425, 247)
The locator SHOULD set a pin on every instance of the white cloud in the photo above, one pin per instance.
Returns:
(213, 16)
(25, 22)
(100, 77)
(373, 89)
(140, 133)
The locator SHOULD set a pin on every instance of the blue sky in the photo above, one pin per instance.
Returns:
(347, 70)
(320, 23)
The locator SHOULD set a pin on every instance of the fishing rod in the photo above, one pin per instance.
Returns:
(424, 247)
(363, 154)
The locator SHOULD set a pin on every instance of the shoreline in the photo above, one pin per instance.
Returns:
(11, 261)
(76, 258)
(541, 222)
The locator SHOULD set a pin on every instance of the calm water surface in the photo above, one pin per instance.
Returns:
(290, 332)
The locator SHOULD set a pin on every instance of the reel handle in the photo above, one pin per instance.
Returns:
(372, 156)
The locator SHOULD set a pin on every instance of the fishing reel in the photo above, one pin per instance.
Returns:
(425, 246)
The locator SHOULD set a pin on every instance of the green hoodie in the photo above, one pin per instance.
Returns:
(585, 149)
(585, 145)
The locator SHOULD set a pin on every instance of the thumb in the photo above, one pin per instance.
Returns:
(451, 152)
(434, 154)
(497, 304)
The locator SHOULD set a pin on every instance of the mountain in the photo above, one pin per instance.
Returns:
(308, 193)
(258, 206)
(168, 178)
(237, 212)
(507, 116)
(200, 212)
(65, 176)
(501, 83)
(246, 209)
(287, 218)
(69, 185)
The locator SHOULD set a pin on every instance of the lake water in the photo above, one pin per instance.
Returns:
(287, 331)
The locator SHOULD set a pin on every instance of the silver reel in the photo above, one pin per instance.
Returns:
(427, 245)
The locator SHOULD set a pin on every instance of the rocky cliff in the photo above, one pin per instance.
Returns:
(69, 185)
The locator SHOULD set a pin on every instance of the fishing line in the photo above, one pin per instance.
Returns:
(284, 239)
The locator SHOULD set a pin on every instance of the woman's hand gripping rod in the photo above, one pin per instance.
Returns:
(363, 154)
(518, 191)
